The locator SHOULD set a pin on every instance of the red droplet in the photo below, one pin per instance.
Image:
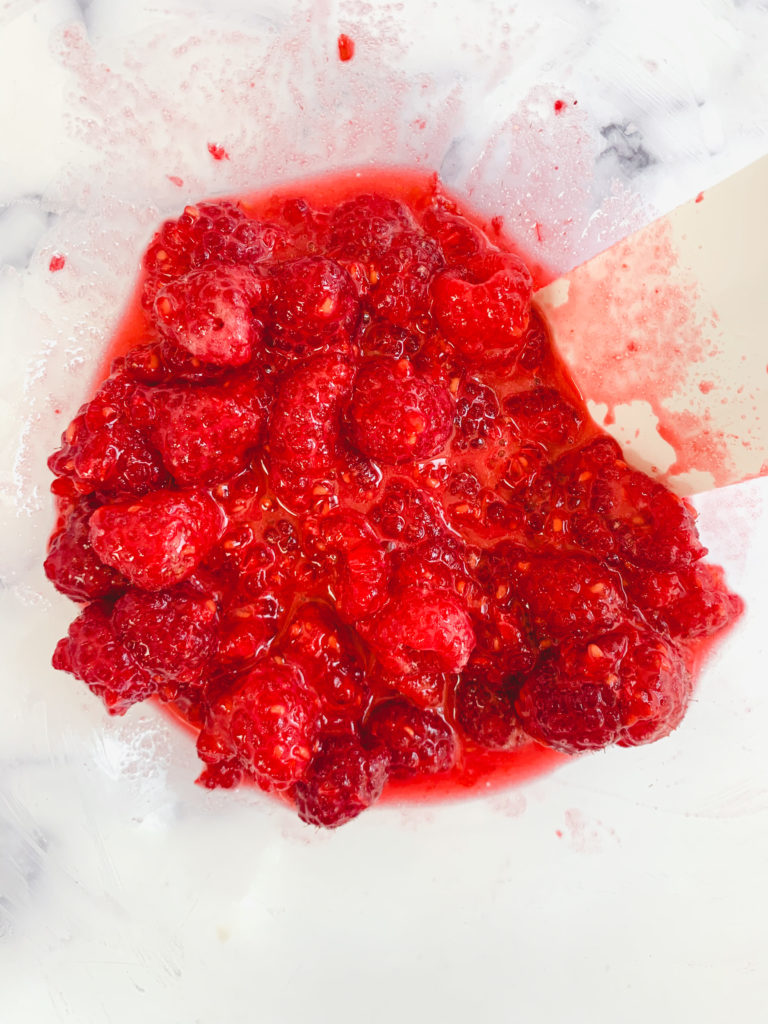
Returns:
(539, 232)
(217, 152)
(57, 262)
(699, 197)
(559, 106)
(497, 223)
(346, 47)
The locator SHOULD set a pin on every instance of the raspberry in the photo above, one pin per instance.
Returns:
(204, 432)
(73, 566)
(504, 646)
(173, 633)
(325, 652)
(486, 715)
(483, 310)
(422, 630)
(569, 595)
(627, 687)
(689, 603)
(661, 531)
(363, 228)
(216, 313)
(363, 582)
(205, 234)
(102, 452)
(304, 427)
(341, 781)
(426, 690)
(403, 276)
(458, 238)
(396, 416)
(92, 653)
(157, 540)
(382, 338)
(315, 303)
(477, 415)
(417, 741)
(267, 724)
(541, 414)
(407, 513)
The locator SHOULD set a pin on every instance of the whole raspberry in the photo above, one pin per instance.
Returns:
(341, 781)
(363, 227)
(327, 654)
(569, 595)
(204, 432)
(157, 540)
(422, 630)
(216, 314)
(73, 566)
(206, 233)
(304, 425)
(486, 714)
(91, 652)
(656, 528)
(418, 742)
(687, 604)
(403, 275)
(173, 633)
(267, 723)
(627, 687)
(102, 451)
(458, 238)
(407, 513)
(541, 414)
(315, 303)
(477, 416)
(397, 416)
(483, 309)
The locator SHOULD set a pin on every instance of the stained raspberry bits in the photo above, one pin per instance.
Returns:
(340, 506)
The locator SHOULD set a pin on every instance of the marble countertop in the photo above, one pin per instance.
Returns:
(628, 885)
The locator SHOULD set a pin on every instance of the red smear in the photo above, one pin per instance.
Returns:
(651, 313)
(346, 47)
(705, 386)
(178, 182)
(699, 197)
(497, 223)
(57, 263)
(217, 152)
(539, 232)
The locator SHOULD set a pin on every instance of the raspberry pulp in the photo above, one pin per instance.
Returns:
(341, 507)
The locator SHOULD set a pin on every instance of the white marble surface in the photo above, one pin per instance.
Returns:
(126, 892)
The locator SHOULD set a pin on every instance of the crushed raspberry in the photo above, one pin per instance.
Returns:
(341, 507)
(341, 781)
(626, 687)
(397, 416)
(267, 724)
(73, 566)
(206, 233)
(216, 313)
(158, 539)
(422, 630)
(173, 633)
(417, 741)
(92, 653)
(484, 307)
(314, 303)
(205, 432)
(486, 715)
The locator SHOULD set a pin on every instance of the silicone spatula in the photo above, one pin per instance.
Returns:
(667, 335)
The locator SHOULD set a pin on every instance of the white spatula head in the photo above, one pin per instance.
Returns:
(667, 336)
